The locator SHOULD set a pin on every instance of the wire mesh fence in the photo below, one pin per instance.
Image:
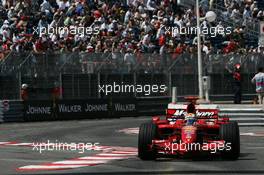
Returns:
(80, 75)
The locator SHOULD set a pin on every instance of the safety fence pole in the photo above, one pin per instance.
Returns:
(174, 95)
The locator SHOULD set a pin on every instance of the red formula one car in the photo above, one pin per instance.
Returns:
(189, 129)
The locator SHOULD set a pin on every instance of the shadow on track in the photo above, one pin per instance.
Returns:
(243, 156)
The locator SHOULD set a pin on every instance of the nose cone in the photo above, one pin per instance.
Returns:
(188, 134)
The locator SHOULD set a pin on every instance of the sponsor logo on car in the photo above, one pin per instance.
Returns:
(198, 113)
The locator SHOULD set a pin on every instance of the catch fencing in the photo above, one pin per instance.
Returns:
(80, 74)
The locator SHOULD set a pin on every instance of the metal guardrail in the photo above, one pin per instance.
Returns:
(79, 109)
(46, 110)
(18, 111)
(1, 112)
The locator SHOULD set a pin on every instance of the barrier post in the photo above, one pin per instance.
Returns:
(169, 83)
(206, 86)
(60, 84)
(135, 82)
(19, 83)
(174, 95)
(98, 83)
(207, 95)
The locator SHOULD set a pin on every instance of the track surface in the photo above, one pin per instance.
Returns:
(106, 133)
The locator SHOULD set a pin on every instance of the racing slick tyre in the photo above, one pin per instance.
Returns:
(230, 134)
(147, 132)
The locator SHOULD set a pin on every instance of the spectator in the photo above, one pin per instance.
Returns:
(2, 56)
(237, 84)
(129, 57)
(24, 92)
(149, 24)
(258, 79)
(178, 51)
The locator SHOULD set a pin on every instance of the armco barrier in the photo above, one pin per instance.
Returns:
(11, 111)
(44, 110)
(124, 107)
(79, 109)
(1, 112)
(14, 111)
(38, 110)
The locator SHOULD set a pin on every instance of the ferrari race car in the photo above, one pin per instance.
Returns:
(189, 129)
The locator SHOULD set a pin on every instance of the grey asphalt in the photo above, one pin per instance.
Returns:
(105, 132)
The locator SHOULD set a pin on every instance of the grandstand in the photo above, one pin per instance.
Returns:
(19, 23)
(131, 40)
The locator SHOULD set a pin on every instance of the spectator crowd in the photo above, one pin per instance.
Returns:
(121, 26)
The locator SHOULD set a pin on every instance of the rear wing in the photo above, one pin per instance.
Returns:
(206, 111)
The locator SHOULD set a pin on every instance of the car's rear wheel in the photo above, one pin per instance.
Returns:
(147, 133)
(230, 134)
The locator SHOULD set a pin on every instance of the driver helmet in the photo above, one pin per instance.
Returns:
(190, 118)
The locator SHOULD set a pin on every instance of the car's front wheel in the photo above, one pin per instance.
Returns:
(147, 133)
(230, 134)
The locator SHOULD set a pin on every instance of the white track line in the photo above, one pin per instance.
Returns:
(97, 159)
(48, 167)
(102, 158)
(80, 162)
